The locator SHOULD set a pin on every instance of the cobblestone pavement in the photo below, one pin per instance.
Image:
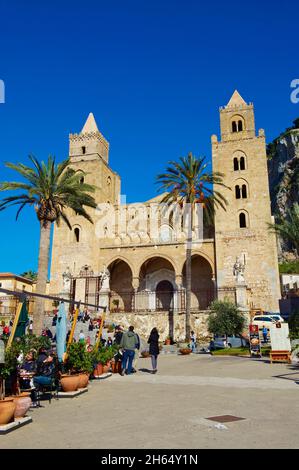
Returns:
(170, 409)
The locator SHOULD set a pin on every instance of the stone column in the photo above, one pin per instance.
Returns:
(135, 284)
(241, 295)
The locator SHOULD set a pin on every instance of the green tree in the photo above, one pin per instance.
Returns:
(294, 325)
(30, 275)
(226, 319)
(288, 228)
(51, 189)
(188, 181)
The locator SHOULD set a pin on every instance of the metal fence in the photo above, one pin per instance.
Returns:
(130, 301)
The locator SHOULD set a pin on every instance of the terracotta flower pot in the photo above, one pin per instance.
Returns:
(106, 367)
(98, 370)
(185, 351)
(23, 403)
(116, 367)
(145, 354)
(69, 383)
(7, 410)
(83, 380)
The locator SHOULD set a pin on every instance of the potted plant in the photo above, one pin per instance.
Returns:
(79, 366)
(145, 354)
(168, 341)
(184, 349)
(7, 404)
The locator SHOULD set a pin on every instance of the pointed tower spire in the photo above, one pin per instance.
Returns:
(236, 100)
(90, 125)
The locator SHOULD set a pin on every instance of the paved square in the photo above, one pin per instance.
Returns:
(169, 409)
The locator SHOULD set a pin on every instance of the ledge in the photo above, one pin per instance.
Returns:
(18, 423)
(72, 394)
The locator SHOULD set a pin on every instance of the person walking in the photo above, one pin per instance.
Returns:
(136, 357)
(193, 341)
(265, 334)
(128, 344)
(153, 341)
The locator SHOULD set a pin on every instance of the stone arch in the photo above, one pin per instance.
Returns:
(243, 188)
(159, 255)
(237, 123)
(121, 285)
(202, 281)
(154, 270)
(243, 219)
(125, 260)
(76, 233)
(239, 160)
(203, 255)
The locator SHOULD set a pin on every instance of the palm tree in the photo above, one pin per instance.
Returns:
(288, 227)
(189, 181)
(29, 275)
(52, 189)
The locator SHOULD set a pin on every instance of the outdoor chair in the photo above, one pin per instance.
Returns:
(51, 390)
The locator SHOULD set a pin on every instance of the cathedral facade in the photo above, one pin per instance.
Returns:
(132, 259)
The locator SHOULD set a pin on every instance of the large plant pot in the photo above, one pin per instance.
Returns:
(116, 367)
(185, 351)
(145, 354)
(83, 380)
(69, 383)
(7, 410)
(23, 403)
(106, 367)
(98, 370)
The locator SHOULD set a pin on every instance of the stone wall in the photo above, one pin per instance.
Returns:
(144, 322)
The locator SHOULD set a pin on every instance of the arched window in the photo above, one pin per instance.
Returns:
(108, 181)
(244, 191)
(77, 234)
(237, 192)
(242, 220)
(81, 180)
(240, 125)
(83, 150)
(242, 163)
(234, 126)
(236, 164)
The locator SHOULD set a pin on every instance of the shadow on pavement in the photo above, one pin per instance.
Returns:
(148, 371)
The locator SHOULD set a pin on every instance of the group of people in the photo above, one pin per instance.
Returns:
(129, 343)
(36, 370)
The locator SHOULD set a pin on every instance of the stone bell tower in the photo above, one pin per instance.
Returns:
(73, 249)
(241, 232)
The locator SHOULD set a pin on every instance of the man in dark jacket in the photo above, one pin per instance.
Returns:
(128, 344)
(118, 335)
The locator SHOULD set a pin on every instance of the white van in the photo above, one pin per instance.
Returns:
(261, 320)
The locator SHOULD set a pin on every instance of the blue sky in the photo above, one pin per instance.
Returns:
(154, 74)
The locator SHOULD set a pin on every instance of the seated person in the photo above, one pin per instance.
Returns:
(45, 374)
(42, 355)
(27, 369)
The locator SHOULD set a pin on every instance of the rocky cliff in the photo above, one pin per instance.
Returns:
(283, 168)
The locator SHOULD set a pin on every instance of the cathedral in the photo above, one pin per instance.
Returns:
(132, 259)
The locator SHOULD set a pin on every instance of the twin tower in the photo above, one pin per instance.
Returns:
(242, 230)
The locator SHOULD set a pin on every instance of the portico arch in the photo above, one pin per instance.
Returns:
(202, 282)
(121, 288)
(157, 285)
